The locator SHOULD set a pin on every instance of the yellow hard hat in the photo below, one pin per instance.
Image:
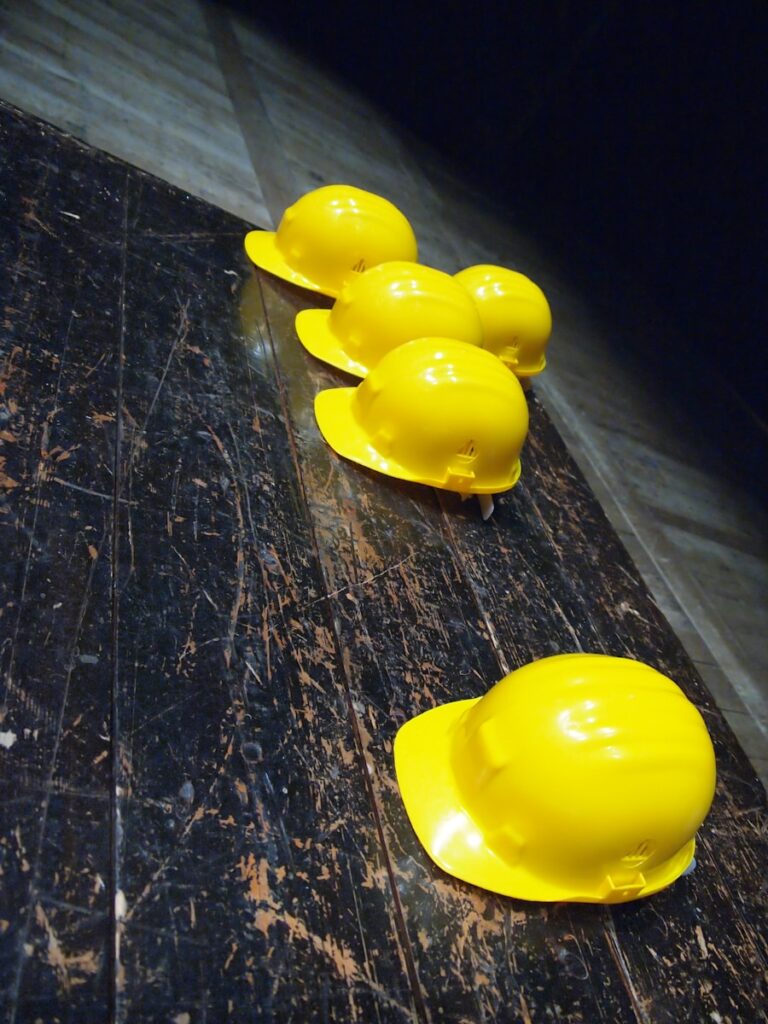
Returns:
(330, 234)
(515, 314)
(580, 777)
(383, 308)
(435, 411)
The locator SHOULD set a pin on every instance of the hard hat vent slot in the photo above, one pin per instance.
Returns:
(359, 267)
(467, 452)
(623, 885)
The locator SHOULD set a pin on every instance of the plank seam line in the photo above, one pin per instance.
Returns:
(113, 946)
(614, 947)
(270, 167)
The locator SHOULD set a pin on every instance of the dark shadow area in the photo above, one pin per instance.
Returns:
(630, 139)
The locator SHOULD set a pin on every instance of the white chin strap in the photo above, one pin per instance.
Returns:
(486, 505)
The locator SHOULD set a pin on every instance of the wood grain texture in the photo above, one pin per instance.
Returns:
(211, 628)
(60, 250)
(248, 836)
(545, 575)
(586, 576)
(211, 101)
(137, 79)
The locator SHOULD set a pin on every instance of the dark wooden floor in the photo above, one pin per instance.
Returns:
(205, 98)
(211, 628)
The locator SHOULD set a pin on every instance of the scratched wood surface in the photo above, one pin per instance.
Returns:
(211, 628)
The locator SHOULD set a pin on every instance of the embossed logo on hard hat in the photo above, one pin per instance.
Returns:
(460, 466)
(639, 855)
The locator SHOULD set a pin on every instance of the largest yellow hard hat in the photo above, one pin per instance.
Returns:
(383, 308)
(331, 234)
(580, 777)
(515, 314)
(436, 411)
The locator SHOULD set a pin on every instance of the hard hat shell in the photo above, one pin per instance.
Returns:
(515, 314)
(435, 411)
(384, 307)
(579, 777)
(331, 234)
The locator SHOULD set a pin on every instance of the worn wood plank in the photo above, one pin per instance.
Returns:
(57, 414)
(20, 812)
(251, 866)
(737, 821)
(412, 636)
(278, 614)
(711, 923)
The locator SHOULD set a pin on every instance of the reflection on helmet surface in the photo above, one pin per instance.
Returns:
(585, 778)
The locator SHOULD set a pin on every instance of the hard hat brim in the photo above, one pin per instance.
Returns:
(529, 371)
(436, 810)
(449, 834)
(262, 250)
(339, 427)
(313, 326)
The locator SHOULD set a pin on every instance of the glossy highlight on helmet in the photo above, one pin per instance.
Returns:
(579, 777)
(515, 315)
(331, 234)
(434, 411)
(384, 307)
